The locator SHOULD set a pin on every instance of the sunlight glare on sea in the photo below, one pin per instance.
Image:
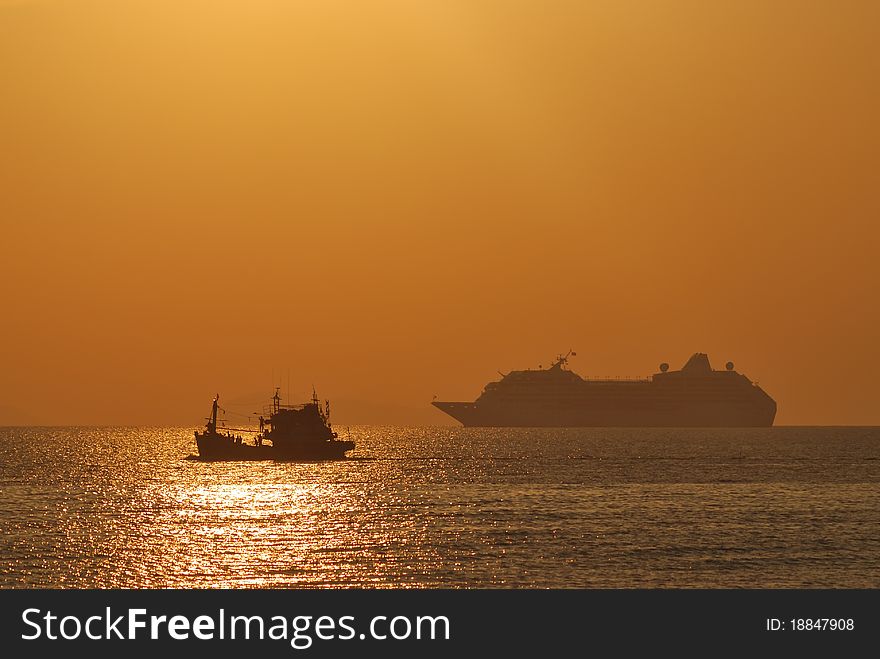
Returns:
(446, 507)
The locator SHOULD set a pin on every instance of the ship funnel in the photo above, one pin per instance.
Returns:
(698, 363)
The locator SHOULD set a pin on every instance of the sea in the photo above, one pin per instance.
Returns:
(446, 507)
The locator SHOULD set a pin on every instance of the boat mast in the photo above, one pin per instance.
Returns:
(562, 360)
(212, 424)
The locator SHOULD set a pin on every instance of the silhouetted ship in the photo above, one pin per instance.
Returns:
(695, 396)
(291, 432)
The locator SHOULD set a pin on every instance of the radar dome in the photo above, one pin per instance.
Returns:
(729, 366)
(664, 367)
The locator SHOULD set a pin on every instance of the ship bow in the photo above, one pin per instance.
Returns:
(461, 412)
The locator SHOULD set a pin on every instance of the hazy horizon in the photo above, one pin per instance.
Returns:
(393, 201)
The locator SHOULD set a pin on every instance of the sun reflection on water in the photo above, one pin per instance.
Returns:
(95, 507)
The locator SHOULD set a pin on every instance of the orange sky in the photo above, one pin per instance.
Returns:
(395, 199)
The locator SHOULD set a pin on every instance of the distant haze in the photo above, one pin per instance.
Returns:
(393, 200)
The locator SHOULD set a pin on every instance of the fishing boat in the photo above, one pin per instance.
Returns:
(286, 432)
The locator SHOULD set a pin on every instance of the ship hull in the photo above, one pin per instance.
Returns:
(619, 414)
(214, 447)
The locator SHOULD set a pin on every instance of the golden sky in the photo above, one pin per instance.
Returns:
(396, 198)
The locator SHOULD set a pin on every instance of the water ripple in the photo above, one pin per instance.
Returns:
(446, 507)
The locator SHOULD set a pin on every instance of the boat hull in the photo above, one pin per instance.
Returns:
(759, 413)
(216, 447)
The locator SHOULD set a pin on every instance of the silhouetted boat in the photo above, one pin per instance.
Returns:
(695, 396)
(291, 432)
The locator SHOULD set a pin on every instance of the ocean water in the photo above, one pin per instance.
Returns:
(446, 507)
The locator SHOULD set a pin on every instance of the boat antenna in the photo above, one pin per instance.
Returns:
(562, 360)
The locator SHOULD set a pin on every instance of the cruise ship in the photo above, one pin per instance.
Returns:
(695, 396)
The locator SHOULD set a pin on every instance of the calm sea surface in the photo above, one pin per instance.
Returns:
(446, 507)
